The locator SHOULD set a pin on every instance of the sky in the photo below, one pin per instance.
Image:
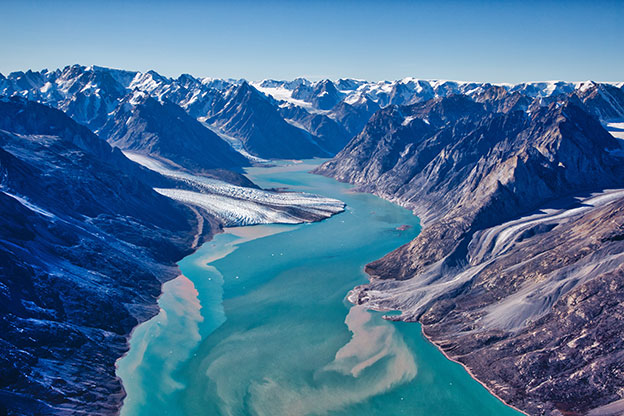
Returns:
(495, 41)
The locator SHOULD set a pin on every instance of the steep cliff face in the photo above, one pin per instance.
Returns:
(85, 245)
(540, 322)
(603, 100)
(353, 116)
(250, 116)
(328, 134)
(509, 164)
(144, 125)
(325, 95)
(498, 272)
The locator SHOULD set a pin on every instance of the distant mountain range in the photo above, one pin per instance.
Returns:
(517, 272)
(266, 119)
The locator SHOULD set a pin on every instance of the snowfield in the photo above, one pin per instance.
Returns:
(238, 205)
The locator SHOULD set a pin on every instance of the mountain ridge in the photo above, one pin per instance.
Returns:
(85, 246)
(90, 94)
(472, 170)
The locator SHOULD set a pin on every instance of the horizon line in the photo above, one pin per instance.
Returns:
(312, 78)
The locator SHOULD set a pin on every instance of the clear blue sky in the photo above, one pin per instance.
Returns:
(498, 41)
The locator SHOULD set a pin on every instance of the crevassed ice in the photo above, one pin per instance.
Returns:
(238, 205)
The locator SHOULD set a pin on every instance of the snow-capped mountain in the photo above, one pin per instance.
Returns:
(162, 129)
(413, 90)
(246, 114)
(472, 157)
(276, 118)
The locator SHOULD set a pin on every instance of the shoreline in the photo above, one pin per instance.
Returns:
(351, 299)
(192, 250)
(469, 371)
(195, 246)
(244, 234)
(252, 232)
(353, 295)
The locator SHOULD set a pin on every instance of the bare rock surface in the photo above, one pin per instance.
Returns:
(85, 244)
(518, 270)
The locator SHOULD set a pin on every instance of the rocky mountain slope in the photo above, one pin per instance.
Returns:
(85, 245)
(234, 109)
(329, 133)
(508, 269)
(248, 115)
(87, 238)
(143, 124)
(508, 276)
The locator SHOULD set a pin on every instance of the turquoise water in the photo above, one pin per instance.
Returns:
(259, 325)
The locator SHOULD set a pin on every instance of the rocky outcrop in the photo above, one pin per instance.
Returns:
(325, 95)
(540, 323)
(603, 100)
(354, 116)
(328, 134)
(508, 276)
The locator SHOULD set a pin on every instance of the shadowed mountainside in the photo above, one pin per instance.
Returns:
(85, 245)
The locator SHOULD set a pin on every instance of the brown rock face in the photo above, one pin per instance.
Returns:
(511, 275)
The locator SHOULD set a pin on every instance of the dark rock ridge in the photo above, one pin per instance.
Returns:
(603, 100)
(329, 134)
(144, 125)
(90, 95)
(354, 116)
(507, 276)
(325, 95)
(250, 116)
(85, 245)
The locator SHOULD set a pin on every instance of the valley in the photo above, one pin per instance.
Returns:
(110, 180)
(269, 331)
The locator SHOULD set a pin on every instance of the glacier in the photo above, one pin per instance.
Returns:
(237, 205)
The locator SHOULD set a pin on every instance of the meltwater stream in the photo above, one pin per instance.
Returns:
(259, 324)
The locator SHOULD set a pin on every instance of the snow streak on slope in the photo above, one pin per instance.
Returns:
(237, 144)
(30, 205)
(237, 205)
(616, 129)
(511, 313)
